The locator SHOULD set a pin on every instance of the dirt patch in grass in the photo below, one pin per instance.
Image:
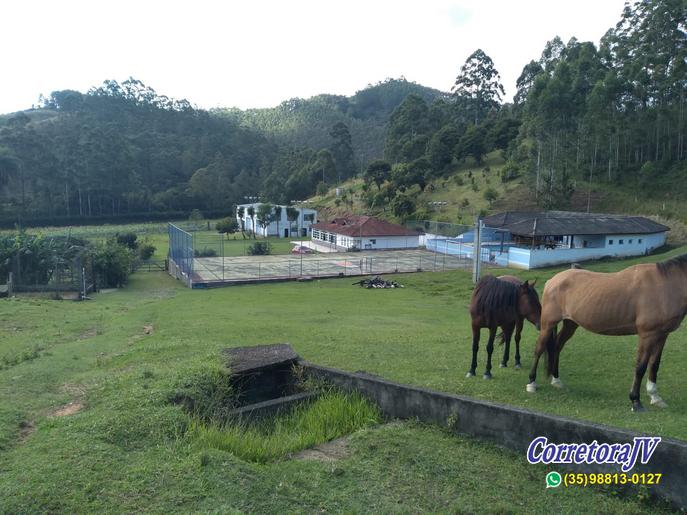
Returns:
(326, 452)
(26, 429)
(148, 329)
(89, 333)
(69, 409)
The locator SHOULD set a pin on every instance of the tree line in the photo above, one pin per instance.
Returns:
(582, 114)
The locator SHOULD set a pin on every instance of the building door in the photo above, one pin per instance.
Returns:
(286, 233)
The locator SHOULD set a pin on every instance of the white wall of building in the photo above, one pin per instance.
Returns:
(618, 245)
(367, 243)
(283, 229)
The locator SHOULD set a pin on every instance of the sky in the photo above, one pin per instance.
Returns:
(258, 53)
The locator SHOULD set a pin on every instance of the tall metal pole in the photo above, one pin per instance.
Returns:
(477, 251)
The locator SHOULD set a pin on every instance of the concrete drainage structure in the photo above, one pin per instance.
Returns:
(266, 375)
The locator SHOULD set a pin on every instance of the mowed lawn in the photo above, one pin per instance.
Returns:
(126, 448)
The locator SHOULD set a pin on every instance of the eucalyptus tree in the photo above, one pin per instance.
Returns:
(480, 84)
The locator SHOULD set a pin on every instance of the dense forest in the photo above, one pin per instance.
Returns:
(583, 114)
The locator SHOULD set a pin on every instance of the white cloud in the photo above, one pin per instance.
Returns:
(258, 53)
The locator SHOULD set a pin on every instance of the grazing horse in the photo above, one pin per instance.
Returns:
(501, 302)
(649, 300)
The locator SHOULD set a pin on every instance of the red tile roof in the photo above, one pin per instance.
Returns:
(363, 226)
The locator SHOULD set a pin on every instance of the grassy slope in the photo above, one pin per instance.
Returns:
(128, 449)
(447, 190)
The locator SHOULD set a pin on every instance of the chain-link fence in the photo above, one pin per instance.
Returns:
(215, 270)
(201, 259)
(63, 277)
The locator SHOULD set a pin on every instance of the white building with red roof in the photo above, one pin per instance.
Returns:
(364, 233)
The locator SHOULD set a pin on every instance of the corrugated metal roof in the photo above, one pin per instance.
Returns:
(561, 223)
(363, 226)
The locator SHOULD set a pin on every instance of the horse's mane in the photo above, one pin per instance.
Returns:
(679, 262)
(492, 295)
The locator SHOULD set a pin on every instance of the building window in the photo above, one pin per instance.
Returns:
(639, 241)
(373, 242)
(629, 241)
(610, 242)
(620, 242)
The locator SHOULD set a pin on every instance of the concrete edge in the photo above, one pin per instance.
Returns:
(510, 426)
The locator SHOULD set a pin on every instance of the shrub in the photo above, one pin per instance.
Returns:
(112, 263)
(322, 189)
(128, 239)
(259, 248)
(490, 195)
(146, 251)
(227, 225)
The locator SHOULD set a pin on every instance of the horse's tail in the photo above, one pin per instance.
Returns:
(551, 352)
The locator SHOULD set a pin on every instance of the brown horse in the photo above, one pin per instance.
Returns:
(649, 300)
(501, 302)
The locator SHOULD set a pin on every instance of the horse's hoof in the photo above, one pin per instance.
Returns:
(531, 387)
(503, 365)
(556, 382)
(470, 374)
(638, 408)
(486, 376)
(659, 403)
(517, 366)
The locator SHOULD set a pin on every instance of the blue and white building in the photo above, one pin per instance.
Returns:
(529, 240)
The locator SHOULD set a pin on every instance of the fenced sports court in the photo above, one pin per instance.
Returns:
(197, 271)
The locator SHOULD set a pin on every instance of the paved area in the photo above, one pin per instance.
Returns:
(250, 268)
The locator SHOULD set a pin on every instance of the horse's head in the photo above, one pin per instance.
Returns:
(528, 302)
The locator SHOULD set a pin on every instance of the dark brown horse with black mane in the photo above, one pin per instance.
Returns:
(649, 300)
(501, 302)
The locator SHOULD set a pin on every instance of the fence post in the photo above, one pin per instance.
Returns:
(10, 285)
(258, 271)
(83, 283)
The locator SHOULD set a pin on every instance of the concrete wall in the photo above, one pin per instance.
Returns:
(511, 427)
(390, 242)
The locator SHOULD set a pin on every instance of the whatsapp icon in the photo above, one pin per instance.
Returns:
(553, 480)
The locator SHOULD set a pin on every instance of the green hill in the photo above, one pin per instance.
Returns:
(307, 123)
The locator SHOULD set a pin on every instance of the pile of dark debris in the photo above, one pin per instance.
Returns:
(378, 282)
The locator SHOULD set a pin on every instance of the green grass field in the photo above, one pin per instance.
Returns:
(126, 447)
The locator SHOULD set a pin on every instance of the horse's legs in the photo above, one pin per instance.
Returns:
(567, 331)
(518, 334)
(546, 333)
(644, 349)
(507, 334)
(490, 349)
(654, 362)
(475, 348)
